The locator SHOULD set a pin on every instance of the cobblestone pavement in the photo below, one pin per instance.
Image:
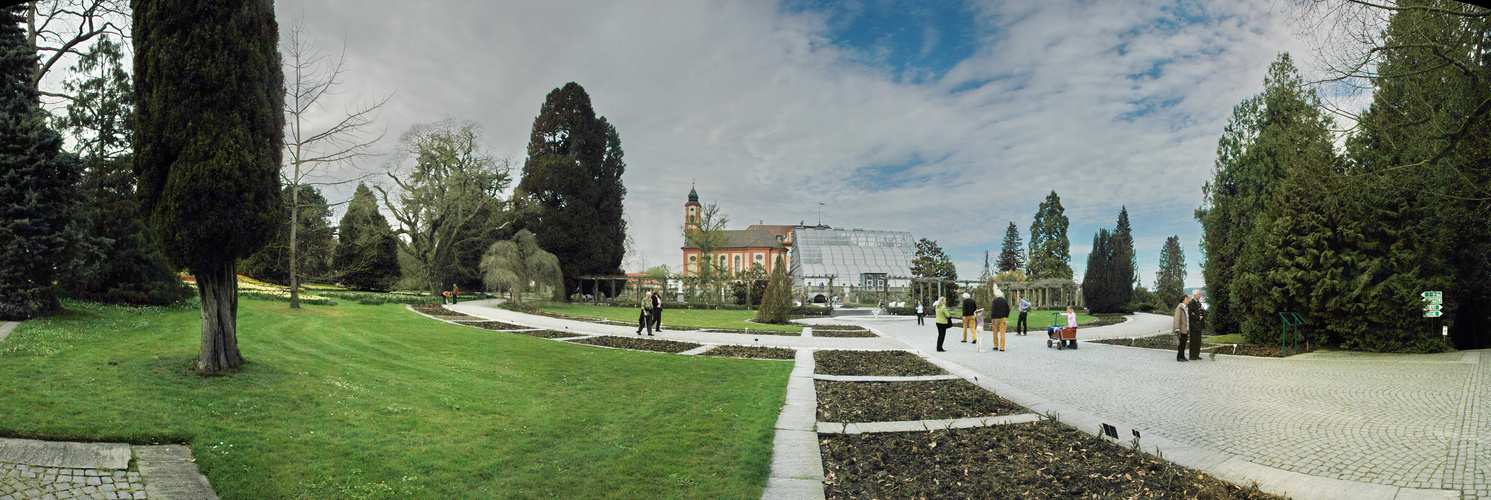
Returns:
(21, 481)
(1407, 421)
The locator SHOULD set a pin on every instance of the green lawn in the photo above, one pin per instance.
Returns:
(683, 318)
(363, 401)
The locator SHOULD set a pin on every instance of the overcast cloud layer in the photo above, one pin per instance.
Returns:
(949, 122)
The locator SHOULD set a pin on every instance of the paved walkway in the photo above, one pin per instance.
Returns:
(1322, 425)
(50, 470)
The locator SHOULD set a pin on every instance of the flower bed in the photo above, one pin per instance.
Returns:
(494, 325)
(741, 351)
(751, 332)
(441, 312)
(853, 402)
(874, 363)
(545, 334)
(637, 344)
(861, 333)
(1042, 459)
(1167, 342)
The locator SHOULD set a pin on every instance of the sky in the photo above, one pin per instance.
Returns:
(947, 119)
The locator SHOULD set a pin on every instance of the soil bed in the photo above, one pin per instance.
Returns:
(752, 332)
(854, 402)
(638, 344)
(440, 312)
(1042, 459)
(860, 333)
(874, 363)
(546, 334)
(1167, 342)
(849, 328)
(741, 351)
(494, 325)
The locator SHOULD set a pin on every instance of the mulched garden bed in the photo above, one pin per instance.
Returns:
(852, 328)
(1042, 459)
(853, 402)
(752, 332)
(494, 325)
(844, 333)
(1167, 342)
(440, 311)
(546, 334)
(873, 363)
(638, 344)
(741, 351)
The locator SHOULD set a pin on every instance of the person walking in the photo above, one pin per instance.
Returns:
(970, 311)
(921, 314)
(942, 322)
(1195, 321)
(657, 310)
(1181, 328)
(455, 291)
(999, 316)
(1020, 324)
(644, 320)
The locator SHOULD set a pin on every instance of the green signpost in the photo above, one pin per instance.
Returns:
(1433, 307)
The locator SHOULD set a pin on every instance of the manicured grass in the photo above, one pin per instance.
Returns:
(1231, 338)
(1042, 318)
(682, 318)
(355, 401)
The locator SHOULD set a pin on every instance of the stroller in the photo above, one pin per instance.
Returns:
(1060, 336)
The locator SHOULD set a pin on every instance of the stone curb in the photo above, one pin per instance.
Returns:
(873, 378)
(923, 425)
(697, 350)
(796, 463)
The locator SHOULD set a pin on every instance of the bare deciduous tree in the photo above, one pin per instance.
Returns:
(311, 147)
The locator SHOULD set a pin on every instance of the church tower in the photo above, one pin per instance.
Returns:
(691, 210)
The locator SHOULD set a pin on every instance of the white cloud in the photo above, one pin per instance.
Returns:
(771, 118)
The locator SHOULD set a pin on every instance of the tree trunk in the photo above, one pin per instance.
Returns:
(218, 291)
(294, 224)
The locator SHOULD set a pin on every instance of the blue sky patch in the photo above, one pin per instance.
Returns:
(914, 41)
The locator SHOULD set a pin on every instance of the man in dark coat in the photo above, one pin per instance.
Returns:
(657, 310)
(1181, 328)
(999, 316)
(1195, 320)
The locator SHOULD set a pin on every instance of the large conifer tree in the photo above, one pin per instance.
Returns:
(1050, 250)
(573, 178)
(209, 134)
(1012, 252)
(366, 255)
(1170, 281)
(35, 183)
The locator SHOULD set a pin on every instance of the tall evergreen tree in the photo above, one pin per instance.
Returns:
(1106, 286)
(1416, 194)
(572, 177)
(1123, 249)
(1126, 234)
(208, 141)
(1170, 281)
(931, 262)
(125, 266)
(1050, 250)
(36, 189)
(1012, 252)
(776, 302)
(366, 254)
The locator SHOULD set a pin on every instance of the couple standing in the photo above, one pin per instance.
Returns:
(651, 317)
(1188, 323)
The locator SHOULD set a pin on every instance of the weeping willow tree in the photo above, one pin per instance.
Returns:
(519, 264)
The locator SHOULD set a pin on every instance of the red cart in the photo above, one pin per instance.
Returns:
(1060, 336)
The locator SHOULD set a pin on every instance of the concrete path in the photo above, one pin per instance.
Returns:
(51, 470)
(7, 327)
(1324, 425)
